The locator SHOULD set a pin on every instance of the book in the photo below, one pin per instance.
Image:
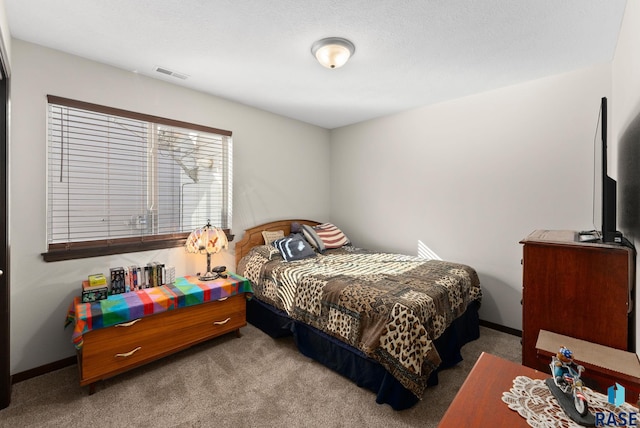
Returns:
(170, 275)
(117, 280)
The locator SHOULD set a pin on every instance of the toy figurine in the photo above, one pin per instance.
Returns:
(567, 385)
(563, 365)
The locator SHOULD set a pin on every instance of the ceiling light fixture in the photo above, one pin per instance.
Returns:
(333, 52)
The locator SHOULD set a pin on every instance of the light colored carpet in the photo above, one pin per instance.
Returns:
(253, 381)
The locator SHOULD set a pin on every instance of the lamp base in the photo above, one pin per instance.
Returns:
(208, 276)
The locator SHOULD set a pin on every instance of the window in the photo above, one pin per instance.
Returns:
(120, 181)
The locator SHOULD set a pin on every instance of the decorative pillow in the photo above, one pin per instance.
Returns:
(295, 227)
(325, 236)
(267, 251)
(294, 247)
(311, 236)
(270, 236)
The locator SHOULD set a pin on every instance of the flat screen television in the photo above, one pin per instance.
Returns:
(606, 185)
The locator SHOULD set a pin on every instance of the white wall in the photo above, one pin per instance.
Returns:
(272, 179)
(5, 33)
(470, 178)
(625, 140)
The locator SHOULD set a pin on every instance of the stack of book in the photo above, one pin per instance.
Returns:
(125, 279)
(152, 275)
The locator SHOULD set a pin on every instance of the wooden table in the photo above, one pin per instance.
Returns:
(479, 403)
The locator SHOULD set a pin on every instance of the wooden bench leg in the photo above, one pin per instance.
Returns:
(92, 388)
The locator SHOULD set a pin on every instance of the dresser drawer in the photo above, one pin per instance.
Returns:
(112, 350)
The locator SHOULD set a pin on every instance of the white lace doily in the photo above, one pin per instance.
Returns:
(533, 400)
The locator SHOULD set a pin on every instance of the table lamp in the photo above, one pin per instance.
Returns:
(207, 240)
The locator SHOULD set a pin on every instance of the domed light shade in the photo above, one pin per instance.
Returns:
(333, 52)
(207, 240)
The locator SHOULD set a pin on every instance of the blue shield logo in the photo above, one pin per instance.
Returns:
(616, 394)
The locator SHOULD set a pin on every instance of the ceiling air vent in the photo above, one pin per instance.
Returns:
(168, 72)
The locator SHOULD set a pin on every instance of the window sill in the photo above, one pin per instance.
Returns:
(83, 250)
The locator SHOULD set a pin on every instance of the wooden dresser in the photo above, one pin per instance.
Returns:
(577, 289)
(172, 318)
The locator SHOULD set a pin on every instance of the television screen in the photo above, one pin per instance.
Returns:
(604, 187)
(597, 174)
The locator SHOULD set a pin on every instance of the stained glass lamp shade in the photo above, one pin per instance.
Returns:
(207, 240)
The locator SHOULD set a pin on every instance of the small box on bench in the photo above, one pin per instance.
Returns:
(93, 293)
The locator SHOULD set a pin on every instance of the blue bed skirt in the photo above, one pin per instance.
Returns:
(354, 364)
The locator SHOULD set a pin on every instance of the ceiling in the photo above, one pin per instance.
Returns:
(409, 53)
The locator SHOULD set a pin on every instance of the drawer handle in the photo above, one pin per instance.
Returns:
(128, 324)
(223, 299)
(221, 322)
(130, 353)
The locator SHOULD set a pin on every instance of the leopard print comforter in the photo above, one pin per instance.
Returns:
(389, 306)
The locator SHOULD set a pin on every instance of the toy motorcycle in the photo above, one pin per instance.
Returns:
(566, 376)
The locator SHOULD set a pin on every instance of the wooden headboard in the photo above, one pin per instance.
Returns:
(253, 236)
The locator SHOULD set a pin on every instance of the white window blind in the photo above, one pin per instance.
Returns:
(117, 177)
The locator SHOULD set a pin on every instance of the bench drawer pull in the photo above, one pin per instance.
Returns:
(128, 324)
(130, 353)
(221, 322)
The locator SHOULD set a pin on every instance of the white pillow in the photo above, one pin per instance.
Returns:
(270, 236)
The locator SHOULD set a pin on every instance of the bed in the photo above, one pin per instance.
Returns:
(388, 322)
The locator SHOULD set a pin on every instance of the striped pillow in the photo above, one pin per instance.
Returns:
(325, 236)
